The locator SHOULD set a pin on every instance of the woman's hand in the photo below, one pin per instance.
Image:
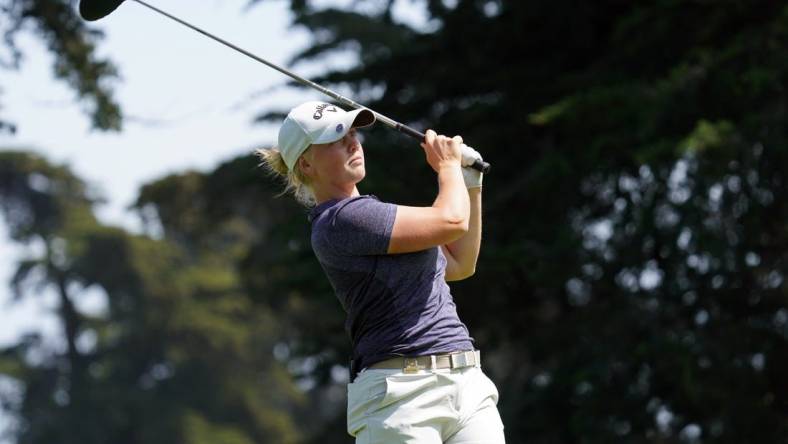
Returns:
(442, 151)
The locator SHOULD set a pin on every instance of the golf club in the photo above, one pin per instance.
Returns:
(92, 10)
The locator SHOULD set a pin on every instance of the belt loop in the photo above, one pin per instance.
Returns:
(433, 362)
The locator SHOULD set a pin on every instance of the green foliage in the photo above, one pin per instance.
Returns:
(37, 198)
(633, 263)
(177, 356)
(630, 286)
(73, 46)
(199, 431)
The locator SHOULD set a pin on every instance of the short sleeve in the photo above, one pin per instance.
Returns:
(362, 226)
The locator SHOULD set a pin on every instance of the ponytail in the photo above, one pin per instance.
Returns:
(295, 181)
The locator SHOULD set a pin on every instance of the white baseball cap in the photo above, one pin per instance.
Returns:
(317, 122)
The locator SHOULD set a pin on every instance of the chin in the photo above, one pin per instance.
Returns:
(358, 173)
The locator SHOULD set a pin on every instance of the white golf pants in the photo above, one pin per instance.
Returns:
(427, 407)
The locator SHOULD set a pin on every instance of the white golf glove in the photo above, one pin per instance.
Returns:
(473, 178)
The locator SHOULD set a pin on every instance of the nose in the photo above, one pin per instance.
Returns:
(352, 141)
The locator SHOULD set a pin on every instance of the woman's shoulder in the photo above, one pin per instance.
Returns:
(349, 207)
(356, 225)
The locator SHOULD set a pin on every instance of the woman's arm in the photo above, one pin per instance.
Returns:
(461, 255)
(420, 228)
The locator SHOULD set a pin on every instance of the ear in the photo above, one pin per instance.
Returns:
(306, 166)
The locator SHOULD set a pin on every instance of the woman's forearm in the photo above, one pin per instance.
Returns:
(465, 250)
(452, 199)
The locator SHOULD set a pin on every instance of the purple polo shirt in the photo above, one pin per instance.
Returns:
(396, 304)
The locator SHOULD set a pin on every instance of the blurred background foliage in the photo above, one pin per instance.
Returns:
(631, 282)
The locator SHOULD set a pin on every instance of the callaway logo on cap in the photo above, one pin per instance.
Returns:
(319, 110)
(317, 122)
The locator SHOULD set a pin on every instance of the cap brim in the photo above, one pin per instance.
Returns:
(358, 118)
(364, 117)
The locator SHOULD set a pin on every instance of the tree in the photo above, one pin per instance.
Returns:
(73, 45)
(630, 286)
(631, 283)
(181, 355)
(232, 216)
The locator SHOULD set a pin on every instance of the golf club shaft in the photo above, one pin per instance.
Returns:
(478, 165)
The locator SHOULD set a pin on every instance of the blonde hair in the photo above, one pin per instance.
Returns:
(295, 181)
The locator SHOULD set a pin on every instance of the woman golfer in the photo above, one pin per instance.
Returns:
(415, 376)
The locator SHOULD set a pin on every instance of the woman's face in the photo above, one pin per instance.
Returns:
(337, 163)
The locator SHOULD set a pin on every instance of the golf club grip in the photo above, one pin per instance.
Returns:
(479, 165)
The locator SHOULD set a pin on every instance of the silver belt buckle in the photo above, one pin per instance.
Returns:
(459, 360)
(411, 365)
(464, 359)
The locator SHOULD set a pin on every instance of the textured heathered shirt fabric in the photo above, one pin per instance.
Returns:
(396, 305)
